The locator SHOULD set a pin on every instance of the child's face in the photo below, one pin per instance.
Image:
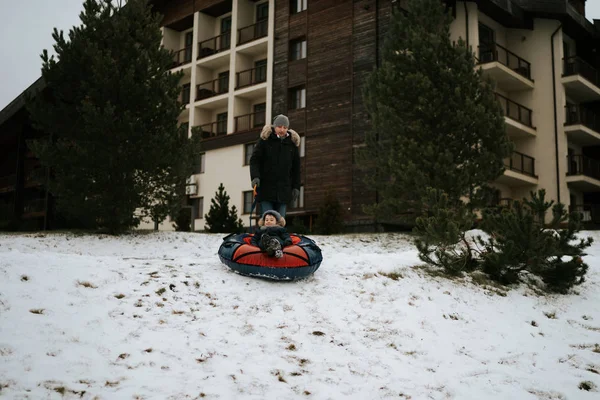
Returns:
(270, 220)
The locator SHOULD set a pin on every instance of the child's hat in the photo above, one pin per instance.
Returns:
(280, 220)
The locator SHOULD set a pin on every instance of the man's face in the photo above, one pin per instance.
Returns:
(281, 130)
(270, 220)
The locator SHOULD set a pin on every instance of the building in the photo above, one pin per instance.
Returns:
(246, 61)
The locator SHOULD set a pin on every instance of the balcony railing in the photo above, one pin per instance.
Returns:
(515, 111)
(182, 56)
(578, 115)
(253, 32)
(522, 163)
(494, 52)
(213, 129)
(8, 181)
(34, 206)
(214, 45)
(211, 88)
(250, 122)
(251, 77)
(588, 212)
(583, 165)
(577, 66)
(185, 94)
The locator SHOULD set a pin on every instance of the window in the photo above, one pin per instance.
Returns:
(221, 123)
(248, 200)
(189, 39)
(248, 149)
(200, 202)
(297, 98)
(199, 163)
(302, 145)
(225, 33)
(297, 49)
(223, 81)
(260, 74)
(259, 115)
(299, 203)
(185, 93)
(298, 5)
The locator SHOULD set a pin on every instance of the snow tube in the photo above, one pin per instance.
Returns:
(299, 260)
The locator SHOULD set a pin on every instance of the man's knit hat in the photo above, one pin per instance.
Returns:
(281, 120)
(280, 220)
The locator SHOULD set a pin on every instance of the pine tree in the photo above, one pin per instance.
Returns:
(435, 122)
(110, 108)
(220, 219)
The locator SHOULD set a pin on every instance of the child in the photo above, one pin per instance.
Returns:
(271, 237)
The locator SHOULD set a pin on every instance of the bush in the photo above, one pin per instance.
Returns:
(330, 218)
(183, 220)
(520, 241)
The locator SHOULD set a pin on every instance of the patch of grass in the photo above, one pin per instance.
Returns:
(176, 312)
(533, 323)
(61, 390)
(24, 278)
(148, 350)
(87, 284)
(111, 384)
(587, 386)
(592, 370)
(123, 356)
(37, 311)
(119, 296)
(586, 317)
(161, 291)
(292, 347)
(318, 333)
(550, 315)
(306, 393)
(304, 361)
(392, 275)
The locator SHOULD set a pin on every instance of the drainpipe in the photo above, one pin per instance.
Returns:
(466, 23)
(555, 114)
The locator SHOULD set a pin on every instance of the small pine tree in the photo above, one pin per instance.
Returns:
(441, 234)
(183, 220)
(330, 217)
(520, 240)
(220, 219)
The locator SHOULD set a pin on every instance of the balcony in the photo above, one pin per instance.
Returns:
(517, 117)
(588, 212)
(35, 177)
(182, 57)
(509, 71)
(251, 77)
(581, 80)
(214, 45)
(34, 208)
(7, 183)
(582, 126)
(250, 122)
(211, 88)
(253, 32)
(583, 173)
(520, 170)
(211, 130)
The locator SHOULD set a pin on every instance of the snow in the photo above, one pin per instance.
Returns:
(158, 316)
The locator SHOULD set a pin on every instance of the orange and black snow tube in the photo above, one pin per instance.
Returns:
(299, 260)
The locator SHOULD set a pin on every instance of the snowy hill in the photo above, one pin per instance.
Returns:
(158, 316)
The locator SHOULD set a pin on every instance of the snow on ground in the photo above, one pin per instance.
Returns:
(158, 316)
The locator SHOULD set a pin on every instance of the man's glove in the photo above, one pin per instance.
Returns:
(256, 182)
(295, 194)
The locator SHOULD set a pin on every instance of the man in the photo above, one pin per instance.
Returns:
(275, 166)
